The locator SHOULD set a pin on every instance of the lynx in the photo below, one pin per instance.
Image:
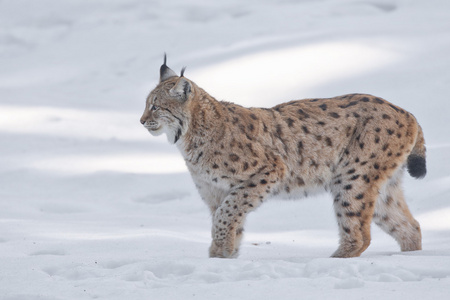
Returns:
(355, 147)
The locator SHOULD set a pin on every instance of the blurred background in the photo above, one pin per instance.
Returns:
(80, 70)
(76, 166)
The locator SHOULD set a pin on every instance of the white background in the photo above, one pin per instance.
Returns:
(93, 207)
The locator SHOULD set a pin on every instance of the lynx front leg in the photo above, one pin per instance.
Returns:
(228, 222)
(229, 218)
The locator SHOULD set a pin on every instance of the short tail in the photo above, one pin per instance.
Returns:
(416, 163)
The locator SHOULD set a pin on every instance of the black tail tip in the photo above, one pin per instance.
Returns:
(417, 166)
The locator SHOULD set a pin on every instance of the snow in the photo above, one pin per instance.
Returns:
(93, 207)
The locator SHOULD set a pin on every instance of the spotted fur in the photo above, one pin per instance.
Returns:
(353, 146)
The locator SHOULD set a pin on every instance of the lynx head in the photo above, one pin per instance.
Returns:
(166, 106)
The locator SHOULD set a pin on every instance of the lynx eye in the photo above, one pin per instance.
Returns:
(154, 108)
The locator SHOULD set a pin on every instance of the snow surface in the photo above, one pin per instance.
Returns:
(93, 207)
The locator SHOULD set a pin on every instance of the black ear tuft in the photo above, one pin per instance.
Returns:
(182, 71)
(164, 67)
(165, 72)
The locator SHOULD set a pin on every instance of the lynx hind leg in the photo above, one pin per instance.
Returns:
(354, 206)
(393, 216)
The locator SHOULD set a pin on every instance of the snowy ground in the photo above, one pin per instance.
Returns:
(93, 207)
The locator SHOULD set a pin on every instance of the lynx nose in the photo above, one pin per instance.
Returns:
(142, 121)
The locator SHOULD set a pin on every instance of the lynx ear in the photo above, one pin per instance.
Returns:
(182, 89)
(165, 72)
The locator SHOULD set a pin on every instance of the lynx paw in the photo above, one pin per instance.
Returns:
(221, 250)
